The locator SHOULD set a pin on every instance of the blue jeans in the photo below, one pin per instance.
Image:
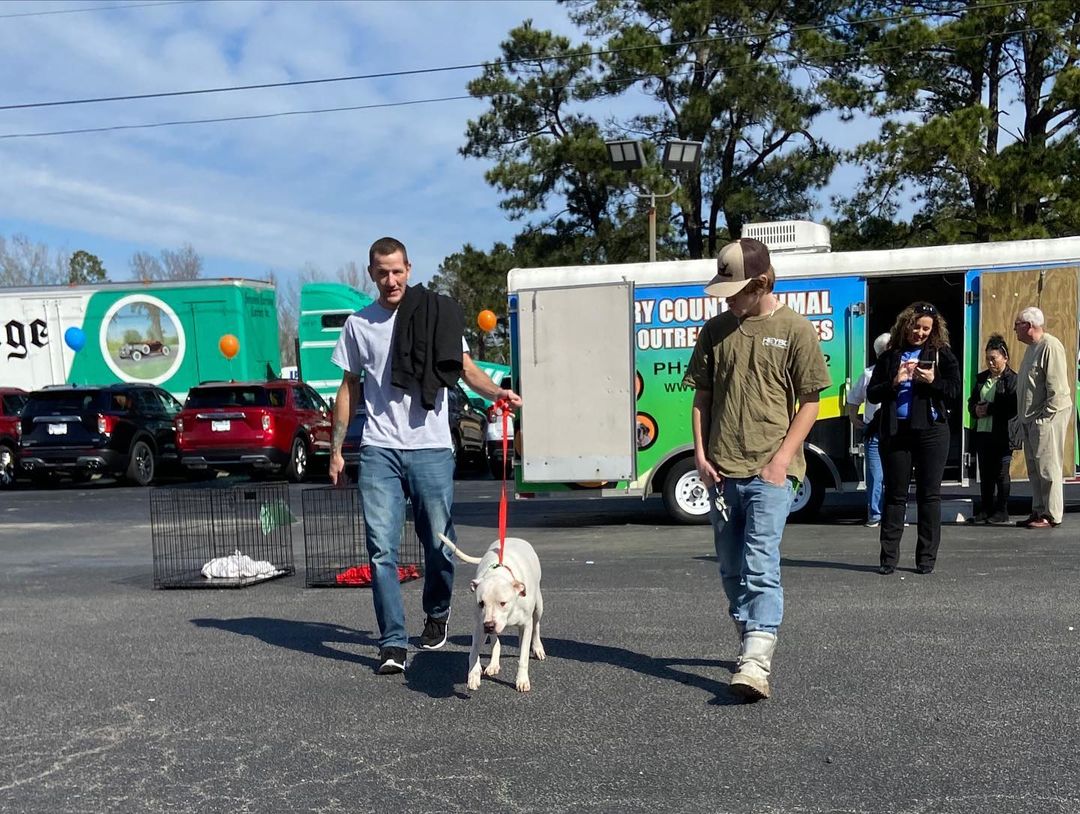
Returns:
(387, 478)
(874, 478)
(748, 549)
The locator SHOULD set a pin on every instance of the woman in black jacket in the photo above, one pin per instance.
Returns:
(991, 404)
(915, 381)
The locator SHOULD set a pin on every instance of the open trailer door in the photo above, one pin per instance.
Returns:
(1003, 294)
(575, 361)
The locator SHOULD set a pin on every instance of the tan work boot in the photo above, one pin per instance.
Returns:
(751, 679)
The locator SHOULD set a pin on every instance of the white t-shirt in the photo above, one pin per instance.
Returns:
(396, 418)
(857, 395)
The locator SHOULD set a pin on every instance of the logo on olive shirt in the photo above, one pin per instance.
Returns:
(774, 342)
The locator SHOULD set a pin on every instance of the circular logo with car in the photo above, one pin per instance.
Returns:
(142, 339)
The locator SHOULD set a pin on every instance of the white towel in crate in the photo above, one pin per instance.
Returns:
(238, 565)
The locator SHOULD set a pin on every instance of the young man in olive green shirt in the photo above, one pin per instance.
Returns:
(757, 370)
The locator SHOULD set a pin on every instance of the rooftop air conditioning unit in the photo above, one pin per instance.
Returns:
(790, 236)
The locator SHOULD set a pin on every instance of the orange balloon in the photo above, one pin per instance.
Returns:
(229, 346)
(487, 320)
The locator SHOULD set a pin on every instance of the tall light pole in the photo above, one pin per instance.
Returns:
(679, 156)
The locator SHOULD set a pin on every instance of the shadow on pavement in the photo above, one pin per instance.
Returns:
(435, 674)
(313, 638)
(662, 668)
(787, 562)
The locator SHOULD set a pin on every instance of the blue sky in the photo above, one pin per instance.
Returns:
(272, 194)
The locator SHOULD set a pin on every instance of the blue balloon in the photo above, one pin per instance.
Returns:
(75, 339)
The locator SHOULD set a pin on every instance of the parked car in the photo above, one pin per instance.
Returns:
(493, 440)
(350, 445)
(12, 400)
(121, 429)
(275, 427)
(467, 426)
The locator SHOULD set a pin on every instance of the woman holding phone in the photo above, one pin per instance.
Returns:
(915, 381)
(991, 404)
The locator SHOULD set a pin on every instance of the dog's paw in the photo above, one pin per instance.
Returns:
(523, 684)
(492, 669)
(474, 680)
(538, 651)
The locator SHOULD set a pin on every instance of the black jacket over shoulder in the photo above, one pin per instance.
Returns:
(426, 347)
(1003, 407)
(943, 392)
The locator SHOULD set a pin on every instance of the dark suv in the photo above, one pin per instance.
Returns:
(122, 429)
(12, 400)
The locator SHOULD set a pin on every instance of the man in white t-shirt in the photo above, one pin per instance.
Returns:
(856, 398)
(406, 452)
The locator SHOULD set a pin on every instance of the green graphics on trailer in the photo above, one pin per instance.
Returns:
(494, 371)
(324, 307)
(667, 320)
(166, 334)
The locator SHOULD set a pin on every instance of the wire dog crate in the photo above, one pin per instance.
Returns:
(335, 547)
(221, 537)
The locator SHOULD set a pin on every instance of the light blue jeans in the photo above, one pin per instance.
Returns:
(387, 478)
(748, 549)
(874, 478)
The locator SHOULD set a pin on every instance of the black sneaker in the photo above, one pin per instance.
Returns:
(391, 661)
(434, 635)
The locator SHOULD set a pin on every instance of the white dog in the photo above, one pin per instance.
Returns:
(507, 595)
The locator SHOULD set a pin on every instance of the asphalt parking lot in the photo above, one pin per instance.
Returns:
(954, 692)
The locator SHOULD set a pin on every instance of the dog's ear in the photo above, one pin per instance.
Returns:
(473, 584)
(519, 587)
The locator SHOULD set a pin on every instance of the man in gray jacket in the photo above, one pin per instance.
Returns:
(1044, 409)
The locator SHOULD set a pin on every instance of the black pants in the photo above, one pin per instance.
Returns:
(995, 458)
(925, 451)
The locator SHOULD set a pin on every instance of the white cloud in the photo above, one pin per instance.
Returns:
(279, 191)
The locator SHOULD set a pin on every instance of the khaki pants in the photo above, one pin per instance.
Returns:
(1044, 451)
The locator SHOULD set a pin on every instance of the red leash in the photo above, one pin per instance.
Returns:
(503, 406)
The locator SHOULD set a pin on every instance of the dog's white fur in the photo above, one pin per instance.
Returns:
(505, 597)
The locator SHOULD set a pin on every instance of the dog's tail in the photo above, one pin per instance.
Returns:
(455, 550)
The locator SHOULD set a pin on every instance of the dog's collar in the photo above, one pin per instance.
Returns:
(504, 565)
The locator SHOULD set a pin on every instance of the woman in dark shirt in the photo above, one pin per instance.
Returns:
(991, 404)
(915, 381)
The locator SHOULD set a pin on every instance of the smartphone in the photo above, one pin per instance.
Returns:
(927, 364)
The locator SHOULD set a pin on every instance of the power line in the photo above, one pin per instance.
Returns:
(469, 66)
(231, 88)
(234, 118)
(95, 8)
(379, 105)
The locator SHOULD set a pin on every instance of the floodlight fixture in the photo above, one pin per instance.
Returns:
(626, 155)
(682, 156)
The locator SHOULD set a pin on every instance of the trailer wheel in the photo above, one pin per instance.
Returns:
(685, 496)
(811, 494)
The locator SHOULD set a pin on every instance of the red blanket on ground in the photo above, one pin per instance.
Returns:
(361, 574)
